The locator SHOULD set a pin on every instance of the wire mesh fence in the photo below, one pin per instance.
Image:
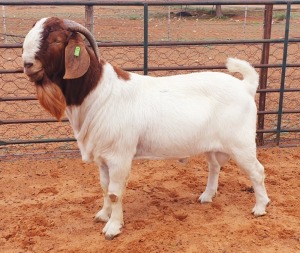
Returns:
(182, 38)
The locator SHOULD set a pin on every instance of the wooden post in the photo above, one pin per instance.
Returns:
(263, 77)
(89, 17)
(219, 13)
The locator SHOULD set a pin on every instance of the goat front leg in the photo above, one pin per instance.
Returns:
(118, 176)
(104, 214)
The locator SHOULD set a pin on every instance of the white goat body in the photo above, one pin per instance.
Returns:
(165, 117)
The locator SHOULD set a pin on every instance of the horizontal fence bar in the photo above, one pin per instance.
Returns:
(142, 2)
(32, 121)
(277, 90)
(8, 99)
(216, 67)
(276, 112)
(15, 142)
(177, 43)
(203, 67)
(222, 42)
(28, 121)
(282, 130)
(11, 71)
(195, 43)
(15, 45)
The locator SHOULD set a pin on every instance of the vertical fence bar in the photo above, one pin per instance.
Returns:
(146, 39)
(283, 71)
(4, 23)
(169, 21)
(263, 77)
(89, 18)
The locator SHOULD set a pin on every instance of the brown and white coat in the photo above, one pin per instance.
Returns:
(119, 116)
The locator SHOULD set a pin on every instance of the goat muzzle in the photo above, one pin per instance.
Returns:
(34, 71)
(34, 76)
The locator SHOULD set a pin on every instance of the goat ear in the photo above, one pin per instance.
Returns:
(77, 58)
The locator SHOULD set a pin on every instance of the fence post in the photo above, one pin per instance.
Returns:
(263, 77)
(4, 23)
(283, 71)
(89, 17)
(146, 39)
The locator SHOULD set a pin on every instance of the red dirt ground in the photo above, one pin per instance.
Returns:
(48, 206)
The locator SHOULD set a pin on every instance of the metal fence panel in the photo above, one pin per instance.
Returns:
(157, 38)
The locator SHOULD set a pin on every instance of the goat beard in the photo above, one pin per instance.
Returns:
(51, 98)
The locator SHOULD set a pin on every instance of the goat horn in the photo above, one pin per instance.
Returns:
(75, 27)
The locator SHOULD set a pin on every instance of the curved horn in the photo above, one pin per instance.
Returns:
(75, 27)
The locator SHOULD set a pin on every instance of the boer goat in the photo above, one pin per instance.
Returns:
(118, 116)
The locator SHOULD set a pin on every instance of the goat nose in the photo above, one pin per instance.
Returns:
(28, 64)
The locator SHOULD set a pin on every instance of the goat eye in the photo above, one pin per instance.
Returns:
(55, 42)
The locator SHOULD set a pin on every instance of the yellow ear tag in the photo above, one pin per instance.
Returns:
(77, 51)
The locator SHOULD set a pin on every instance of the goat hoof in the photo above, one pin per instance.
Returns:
(112, 229)
(258, 213)
(260, 209)
(205, 198)
(110, 237)
(101, 216)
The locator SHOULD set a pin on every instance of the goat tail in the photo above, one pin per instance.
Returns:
(249, 73)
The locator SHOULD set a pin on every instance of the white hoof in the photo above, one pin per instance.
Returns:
(112, 229)
(206, 197)
(102, 216)
(259, 211)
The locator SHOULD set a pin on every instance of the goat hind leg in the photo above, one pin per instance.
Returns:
(215, 161)
(255, 170)
(262, 199)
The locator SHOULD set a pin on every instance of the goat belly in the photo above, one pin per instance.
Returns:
(171, 147)
(178, 136)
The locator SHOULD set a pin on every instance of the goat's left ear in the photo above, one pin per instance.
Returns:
(77, 59)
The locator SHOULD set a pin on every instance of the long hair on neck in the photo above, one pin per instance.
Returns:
(51, 97)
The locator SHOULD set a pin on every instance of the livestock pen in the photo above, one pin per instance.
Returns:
(52, 210)
(161, 42)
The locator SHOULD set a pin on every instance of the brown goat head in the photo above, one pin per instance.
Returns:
(57, 60)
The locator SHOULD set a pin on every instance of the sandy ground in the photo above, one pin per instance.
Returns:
(48, 206)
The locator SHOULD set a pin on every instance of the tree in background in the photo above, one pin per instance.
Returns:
(219, 13)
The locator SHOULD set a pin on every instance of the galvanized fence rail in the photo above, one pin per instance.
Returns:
(274, 50)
